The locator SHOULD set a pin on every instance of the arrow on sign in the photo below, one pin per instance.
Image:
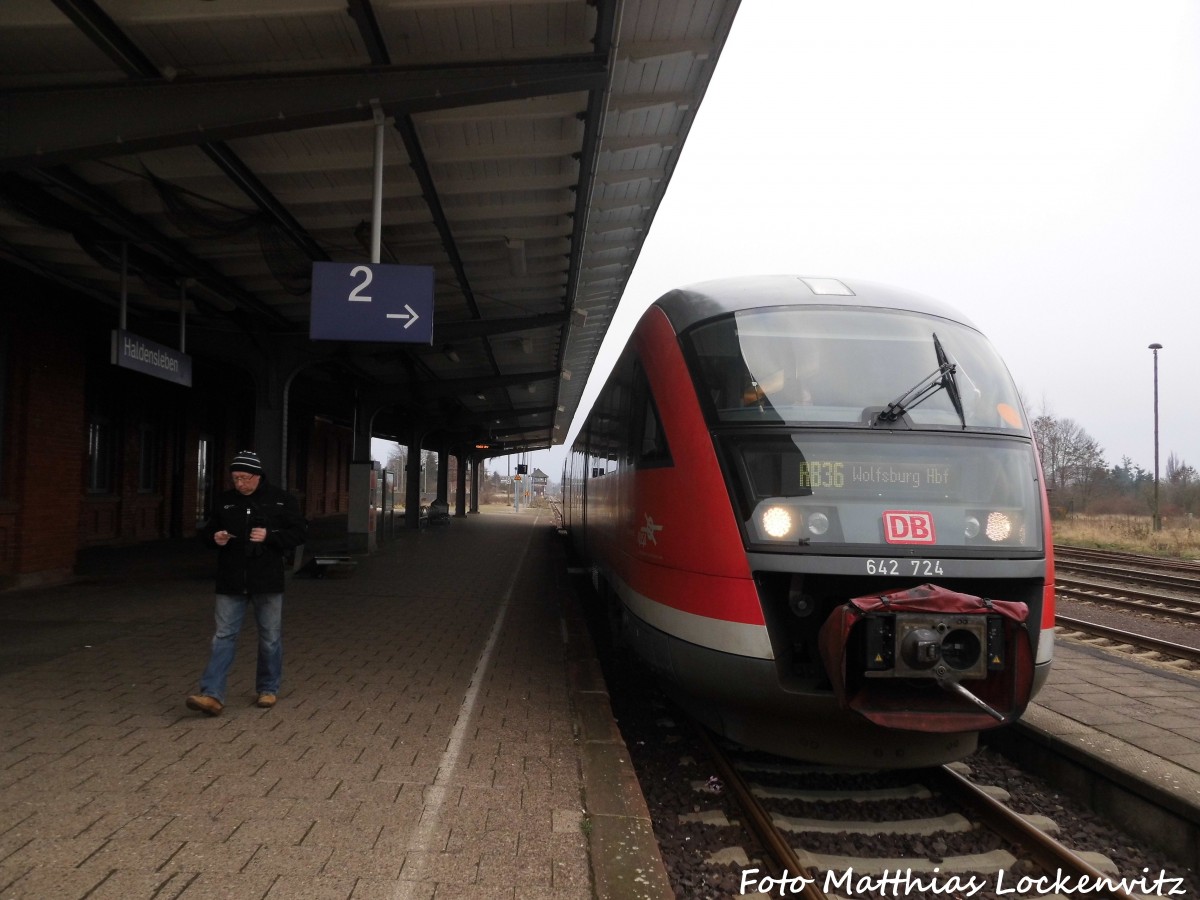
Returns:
(398, 292)
(411, 315)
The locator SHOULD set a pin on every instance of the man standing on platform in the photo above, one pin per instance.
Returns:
(252, 527)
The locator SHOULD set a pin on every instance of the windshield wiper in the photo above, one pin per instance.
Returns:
(939, 378)
(949, 381)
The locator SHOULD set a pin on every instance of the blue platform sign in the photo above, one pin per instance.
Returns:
(371, 302)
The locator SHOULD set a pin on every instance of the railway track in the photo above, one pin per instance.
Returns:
(829, 821)
(1107, 594)
(1137, 642)
(1021, 855)
(1080, 556)
(1118, 598)
(1096, 571)
(710, 856)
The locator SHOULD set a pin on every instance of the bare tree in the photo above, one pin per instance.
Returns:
(1072, 461)
(1184, 485)
(1179, 472)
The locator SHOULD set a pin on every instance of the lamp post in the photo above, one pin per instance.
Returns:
(1157, 520)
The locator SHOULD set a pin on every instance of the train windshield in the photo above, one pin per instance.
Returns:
(871, 368)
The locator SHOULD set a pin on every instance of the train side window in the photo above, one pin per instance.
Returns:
(654, 450)
(649, 442)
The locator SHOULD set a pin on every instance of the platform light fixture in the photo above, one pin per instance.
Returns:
(517, 264)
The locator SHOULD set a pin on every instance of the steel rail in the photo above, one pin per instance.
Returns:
(1162, 577)
(1143, 601)
(781, 856)
(1053, 857)
(1157, 562)
(1142, 641)
(1042, 848)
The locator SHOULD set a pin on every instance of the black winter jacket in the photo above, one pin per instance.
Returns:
(242, 565)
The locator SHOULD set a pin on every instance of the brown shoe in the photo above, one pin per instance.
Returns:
(210, 706)
(266, 701)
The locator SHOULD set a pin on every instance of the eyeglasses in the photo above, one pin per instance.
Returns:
(245, 477)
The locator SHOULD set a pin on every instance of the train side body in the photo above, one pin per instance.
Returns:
(740, 530)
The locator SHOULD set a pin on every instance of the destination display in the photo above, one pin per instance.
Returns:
(858, 476)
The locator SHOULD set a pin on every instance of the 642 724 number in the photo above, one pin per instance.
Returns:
(918, 567)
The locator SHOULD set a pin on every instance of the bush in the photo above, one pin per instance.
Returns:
(1132, 534)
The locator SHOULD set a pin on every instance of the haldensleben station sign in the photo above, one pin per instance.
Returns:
(129, 351)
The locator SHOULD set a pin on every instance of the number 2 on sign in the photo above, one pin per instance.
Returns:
(356, 295)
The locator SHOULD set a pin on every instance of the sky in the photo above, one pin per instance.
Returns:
(1035, 165)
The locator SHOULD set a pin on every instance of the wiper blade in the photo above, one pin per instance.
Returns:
(922, 390)
(939, 378)
(949, 381)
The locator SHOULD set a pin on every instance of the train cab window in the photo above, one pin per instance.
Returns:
(818, 365)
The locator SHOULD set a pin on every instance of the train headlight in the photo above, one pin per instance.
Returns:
(777, 522)
(996, 526)
(780, 520)
(999, 527)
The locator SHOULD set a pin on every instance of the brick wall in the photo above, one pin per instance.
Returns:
(58, 377)
(327, 483)
(44, 449)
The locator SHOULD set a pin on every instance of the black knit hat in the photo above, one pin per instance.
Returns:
(246, 461)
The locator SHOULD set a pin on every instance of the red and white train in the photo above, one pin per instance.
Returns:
(815, 509)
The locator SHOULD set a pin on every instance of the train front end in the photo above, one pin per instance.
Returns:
(886, 485)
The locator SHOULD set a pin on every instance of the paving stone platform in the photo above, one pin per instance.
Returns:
(442, 731)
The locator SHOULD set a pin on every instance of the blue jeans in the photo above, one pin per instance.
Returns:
(231, 610)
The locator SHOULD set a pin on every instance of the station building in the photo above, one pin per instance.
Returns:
(173, 176)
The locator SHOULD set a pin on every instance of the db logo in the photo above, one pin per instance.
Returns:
(907, 527)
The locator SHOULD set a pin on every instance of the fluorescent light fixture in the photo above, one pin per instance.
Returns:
(516, 256)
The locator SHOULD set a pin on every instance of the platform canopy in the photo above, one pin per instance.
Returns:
(221, 147)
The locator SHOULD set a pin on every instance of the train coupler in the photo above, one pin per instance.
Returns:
(901, 659)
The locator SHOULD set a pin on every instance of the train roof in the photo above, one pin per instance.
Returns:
(688, 305)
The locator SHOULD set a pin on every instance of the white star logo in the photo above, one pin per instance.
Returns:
(647, 531)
